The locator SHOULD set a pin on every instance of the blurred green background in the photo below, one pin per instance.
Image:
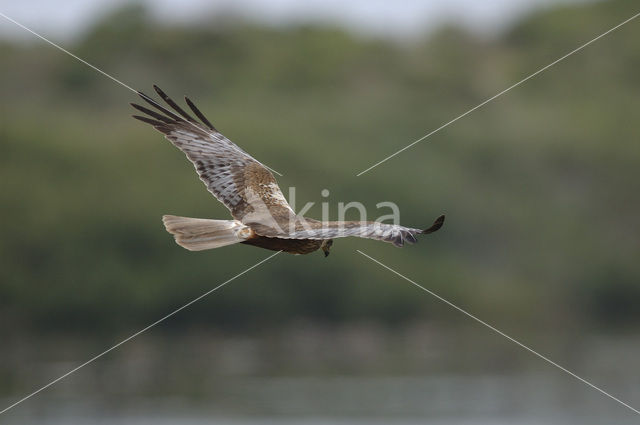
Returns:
(541, 188)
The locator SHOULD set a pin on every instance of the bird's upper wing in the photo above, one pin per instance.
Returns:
(234, 177)
(393, 233)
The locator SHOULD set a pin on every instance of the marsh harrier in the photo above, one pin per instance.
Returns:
(262, 215)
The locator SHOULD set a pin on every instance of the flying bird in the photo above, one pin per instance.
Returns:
(261, 215)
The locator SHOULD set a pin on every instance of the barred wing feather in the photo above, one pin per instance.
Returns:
(392, 233)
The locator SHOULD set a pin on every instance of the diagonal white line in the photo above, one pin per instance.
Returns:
(67, 52)
(482, 322)
(501, 93)
(95, 68)
(91, 360)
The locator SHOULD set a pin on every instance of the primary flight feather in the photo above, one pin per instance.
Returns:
(262, 215)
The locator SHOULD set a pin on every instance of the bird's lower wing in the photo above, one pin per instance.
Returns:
(391, 233)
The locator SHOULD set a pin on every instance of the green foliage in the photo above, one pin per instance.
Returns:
(540, 186)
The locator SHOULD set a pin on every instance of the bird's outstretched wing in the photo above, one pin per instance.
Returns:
(234, 177)
(393, 233)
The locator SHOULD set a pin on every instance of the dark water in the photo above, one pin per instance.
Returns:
(401, 400)
(322, 378)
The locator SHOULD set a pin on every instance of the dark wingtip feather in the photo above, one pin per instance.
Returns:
(199, 114)
(169, 116)
(159, 91)
(145, 97)
(159, 107)
(151, 113)
(173, 104)
(435, 226)
(148, 120)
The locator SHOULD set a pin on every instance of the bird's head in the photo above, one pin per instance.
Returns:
(326, 246)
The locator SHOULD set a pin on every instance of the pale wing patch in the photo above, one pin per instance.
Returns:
(259, 213)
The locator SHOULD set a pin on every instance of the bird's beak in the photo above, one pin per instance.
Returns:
(326, 253)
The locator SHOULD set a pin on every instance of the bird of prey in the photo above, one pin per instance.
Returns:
(262, 215)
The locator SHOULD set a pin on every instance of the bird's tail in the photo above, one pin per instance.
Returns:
(197, 234)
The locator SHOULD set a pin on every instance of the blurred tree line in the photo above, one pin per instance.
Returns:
(541, 187)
